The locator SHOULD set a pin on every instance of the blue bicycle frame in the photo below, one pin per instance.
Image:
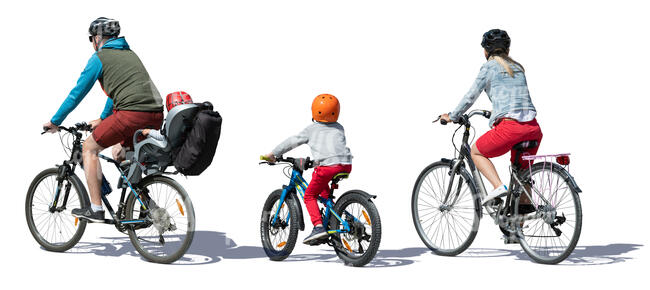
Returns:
(299, 183)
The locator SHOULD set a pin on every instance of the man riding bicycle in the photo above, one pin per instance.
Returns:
(133, 103)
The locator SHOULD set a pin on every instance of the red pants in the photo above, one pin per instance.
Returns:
(505, 135)
(319, 185)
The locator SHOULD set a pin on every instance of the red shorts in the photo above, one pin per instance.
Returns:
(505, 135)
(121, 125)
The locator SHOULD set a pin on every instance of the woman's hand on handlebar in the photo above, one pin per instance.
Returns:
(49, 127)
(94, 123)
(444, 119)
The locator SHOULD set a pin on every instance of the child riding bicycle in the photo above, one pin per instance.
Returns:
(513, 114)
(326, 138)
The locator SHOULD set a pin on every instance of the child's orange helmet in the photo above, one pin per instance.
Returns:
(325, 108)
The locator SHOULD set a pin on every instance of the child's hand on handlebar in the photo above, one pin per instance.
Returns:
(270, 157)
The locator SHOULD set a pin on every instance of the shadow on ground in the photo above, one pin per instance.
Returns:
(207, 248)
(581, 256)
(211, 247)
(384, 258)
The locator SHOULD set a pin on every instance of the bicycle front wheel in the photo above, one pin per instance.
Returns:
(279, 226)
(359, 246)
(552, 235)
(168, 227)
(446, 227)
(55, 229)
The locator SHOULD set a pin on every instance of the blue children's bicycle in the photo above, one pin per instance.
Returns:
(352, 223)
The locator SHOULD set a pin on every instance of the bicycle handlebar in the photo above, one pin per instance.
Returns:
(299, 163)
(465, 118)
(82, 126)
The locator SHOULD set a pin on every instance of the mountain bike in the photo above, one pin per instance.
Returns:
(541, 211)
(352, 222)
(155, 211)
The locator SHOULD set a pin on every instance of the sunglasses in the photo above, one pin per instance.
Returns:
(90, 38)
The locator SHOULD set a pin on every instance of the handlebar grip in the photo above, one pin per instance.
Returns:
(262, 157)
(487, 114)
(443, 122)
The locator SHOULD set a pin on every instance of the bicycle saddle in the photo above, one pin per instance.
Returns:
(339, 177)
(522, 146)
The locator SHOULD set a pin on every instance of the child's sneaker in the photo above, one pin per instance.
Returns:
(317, 234)
(496, 193)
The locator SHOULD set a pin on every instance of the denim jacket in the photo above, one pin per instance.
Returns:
(507, 94)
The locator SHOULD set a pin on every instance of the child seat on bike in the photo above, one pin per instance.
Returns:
(152, 156)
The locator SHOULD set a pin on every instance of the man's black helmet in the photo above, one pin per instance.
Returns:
(495, 39)
(104, 27)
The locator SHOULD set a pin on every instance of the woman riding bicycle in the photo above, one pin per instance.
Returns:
(513, 114)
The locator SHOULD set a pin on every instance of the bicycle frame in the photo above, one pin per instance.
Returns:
(299, 183)
(465, 155)
(68, 169)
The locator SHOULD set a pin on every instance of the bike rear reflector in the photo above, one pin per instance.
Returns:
(563, 160)
(180, 207)
(347, 245)
(76, 221)
(280, 245)
(365, 215)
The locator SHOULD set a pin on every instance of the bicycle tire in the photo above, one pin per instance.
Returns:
(526, 239)
(276, 247)
(369, 219)
(181, 210)
(59, 220)
(442, 244)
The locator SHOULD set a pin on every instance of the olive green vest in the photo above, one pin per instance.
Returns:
(126, 81)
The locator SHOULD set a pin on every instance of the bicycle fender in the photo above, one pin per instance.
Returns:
(569, 177)
(366, 195)
(293, 198)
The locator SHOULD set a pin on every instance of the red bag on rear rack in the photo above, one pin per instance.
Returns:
(197, 152)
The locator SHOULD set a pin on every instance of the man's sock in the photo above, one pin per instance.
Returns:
(96, 208)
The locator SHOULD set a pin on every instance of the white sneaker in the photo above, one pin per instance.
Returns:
(500, 191)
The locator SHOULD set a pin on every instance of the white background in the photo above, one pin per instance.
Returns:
(394, 65)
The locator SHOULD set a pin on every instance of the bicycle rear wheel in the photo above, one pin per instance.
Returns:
(55, 230)
(448, 228)
(169, 220)
(553, 234)
(359, 246)
(279, 238)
